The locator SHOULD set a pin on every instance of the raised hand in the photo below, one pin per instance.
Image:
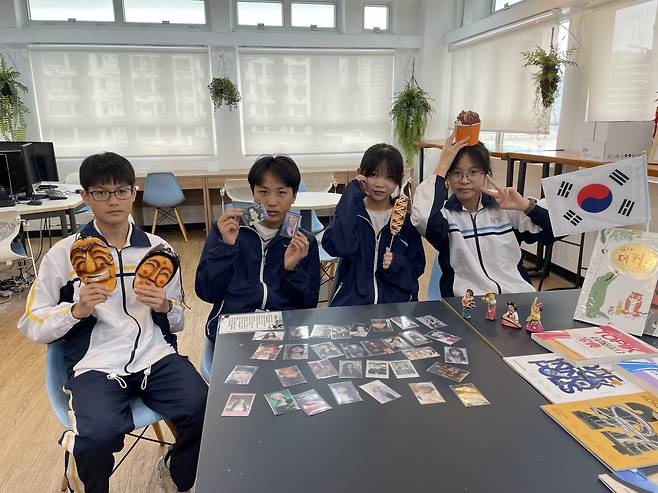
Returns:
(296, 251)
(229, 225)
(506, 197)
(450, 150)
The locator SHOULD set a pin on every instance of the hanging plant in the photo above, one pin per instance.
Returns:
(13, 126)
(410, 110)
(224, 92)
(551, 66)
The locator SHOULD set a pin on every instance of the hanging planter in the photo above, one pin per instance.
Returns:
(410, 110)
(13, 126)
(551, 66)
(223, 91)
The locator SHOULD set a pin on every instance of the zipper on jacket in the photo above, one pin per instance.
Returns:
(477, 247)
(262, 270)
(374, 266)
(125, 309)
(335, 294)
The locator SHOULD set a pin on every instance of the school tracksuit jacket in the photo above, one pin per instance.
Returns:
(360, 278)
(479, 251)
(123, 347)
(249, 276)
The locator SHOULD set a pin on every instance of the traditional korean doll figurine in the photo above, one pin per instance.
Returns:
(510, 318)
(490, 300)
(468, 303)
(157, 267)
(93, 262)
(533, 322)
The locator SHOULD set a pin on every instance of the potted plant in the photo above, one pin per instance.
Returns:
(410, 110)
(468, 125)
(224, 92)
(12, 108)
(551, 66)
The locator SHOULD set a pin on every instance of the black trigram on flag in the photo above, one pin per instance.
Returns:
(572, 217)
(626, 207)
(565, 189)
(618, 177)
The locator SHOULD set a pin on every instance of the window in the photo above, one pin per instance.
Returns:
(315, 102)
(499, 88)
(503, 4)
(64, 10)
(375, 17)
(321, 15)
(134, 101)
(622, 68)
(260, 14)
(169, 11)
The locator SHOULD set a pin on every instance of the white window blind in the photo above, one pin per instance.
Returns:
(498, 87)
(63, 10)
(298, 101)
(172, 11)
(134, 101)
(622, 69)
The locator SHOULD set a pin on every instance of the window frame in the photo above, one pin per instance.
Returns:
(286, 11)
(389, 17)
(494, 10)
(119, 19)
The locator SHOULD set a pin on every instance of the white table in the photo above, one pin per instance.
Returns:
(53, 208)
(310, 201)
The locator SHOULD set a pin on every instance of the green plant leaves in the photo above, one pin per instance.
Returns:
(410, 110)
(224, 92)
(550, 64)
(13, 126)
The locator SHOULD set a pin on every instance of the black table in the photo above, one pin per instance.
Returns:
(557, 314)
(400, 446)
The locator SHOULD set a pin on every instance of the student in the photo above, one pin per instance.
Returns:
(118, 343)
(373, 269)
(245, 269)
(478, 229)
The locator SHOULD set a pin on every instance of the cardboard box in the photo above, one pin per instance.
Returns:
(612, 141)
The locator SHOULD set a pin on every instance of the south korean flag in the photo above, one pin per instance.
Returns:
(614, 194)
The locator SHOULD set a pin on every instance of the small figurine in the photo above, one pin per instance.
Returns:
(533, 322)
(490, 300)
(468, 303)
(510, 318)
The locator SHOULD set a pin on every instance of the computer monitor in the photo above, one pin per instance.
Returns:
(16, 168)
(44, 155)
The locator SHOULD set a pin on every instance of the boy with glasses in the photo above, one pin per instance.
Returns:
(118, 339)
(479, 228)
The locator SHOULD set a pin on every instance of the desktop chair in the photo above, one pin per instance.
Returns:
(206, 360)
(13, 251)
(162, 192)
(56, 377)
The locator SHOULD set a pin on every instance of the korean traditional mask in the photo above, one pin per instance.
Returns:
(93, 262)
(157, 267)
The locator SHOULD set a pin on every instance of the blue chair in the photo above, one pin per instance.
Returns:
(434, 290)
(206, 360)
(162, 192)
(56, 377)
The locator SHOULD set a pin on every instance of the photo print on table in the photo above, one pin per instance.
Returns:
(295, 351)
(241, 375)
(289, 376)
(298, 332)
(326, 350)
(311, 402)
(322, 369)
(354, 350)
(345, 393)
(360, 330)
(281, 402)
(456, 355)
(403, 369)
(376, 369)
(267, 351)
(379, 391)
(350, 369)
(238, 405)
(404, 322)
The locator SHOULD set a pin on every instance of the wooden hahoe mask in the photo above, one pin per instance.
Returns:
(93, 262)
(157, 267)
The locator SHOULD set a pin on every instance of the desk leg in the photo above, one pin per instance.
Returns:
(306, 220)
(73, 226)
(63, 224)
(207, 205)
(520, 185)
(421, 164)
(510, 172)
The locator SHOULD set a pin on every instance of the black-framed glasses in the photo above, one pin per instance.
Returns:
(471, 174)
(104, 195)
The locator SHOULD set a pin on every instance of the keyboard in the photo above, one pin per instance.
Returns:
(54, 194)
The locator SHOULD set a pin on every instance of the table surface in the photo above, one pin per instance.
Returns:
(557, 314)
(561, 156)
(47, 205)
(316, 200)
(399, 446)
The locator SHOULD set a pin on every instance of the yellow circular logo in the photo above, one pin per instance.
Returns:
(635, 259)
